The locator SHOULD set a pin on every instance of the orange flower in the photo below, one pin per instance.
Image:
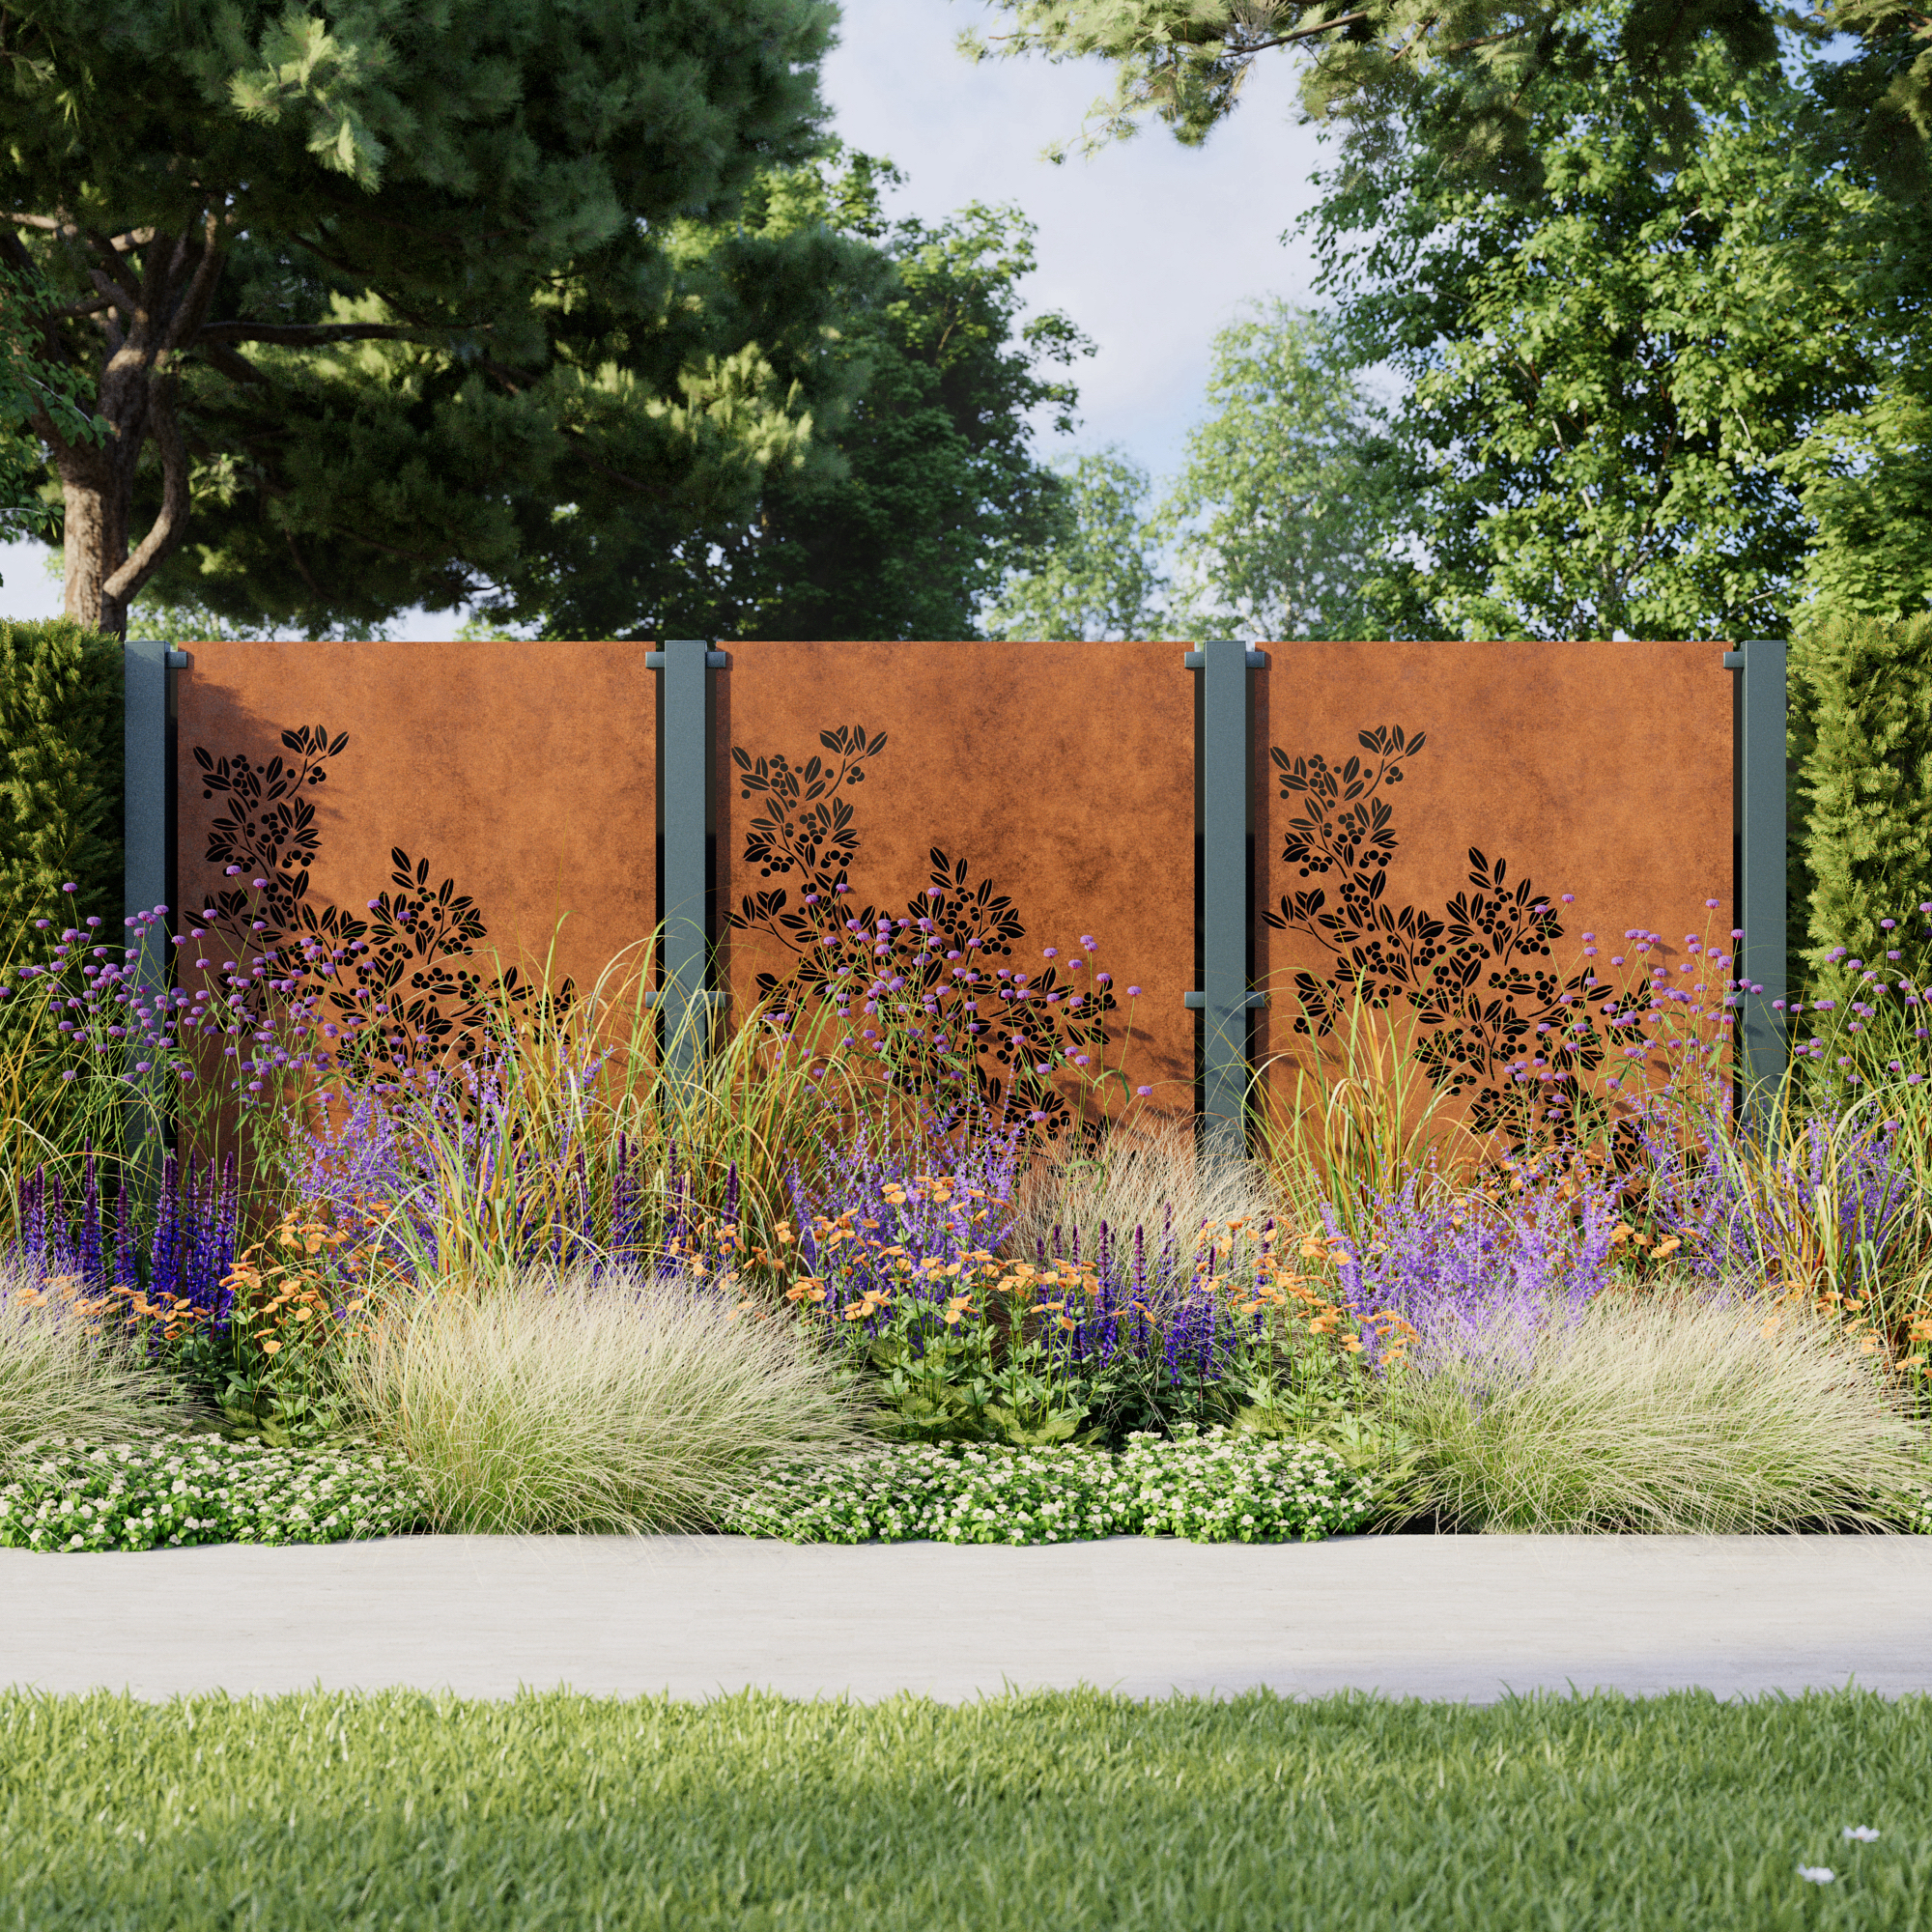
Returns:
(272, 1348)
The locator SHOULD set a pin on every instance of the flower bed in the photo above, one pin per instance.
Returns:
(901, 1290)
(68, 1495)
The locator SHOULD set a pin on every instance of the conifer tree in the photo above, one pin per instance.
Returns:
(354, 283)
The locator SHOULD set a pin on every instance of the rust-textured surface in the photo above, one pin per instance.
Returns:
(520, 777)
(1598, 770)
(1060, 777)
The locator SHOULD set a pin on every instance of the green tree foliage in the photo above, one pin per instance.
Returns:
(1872, 506)
(1615, 384)
(1477, 73)
(1100, 573)
(1280, 515)
(364, 288)
(1861, 713)
(923, 485)
(1274, 527)
(31, 389)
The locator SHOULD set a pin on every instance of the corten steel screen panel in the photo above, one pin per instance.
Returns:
(1046, 790)
(479, 792)
(1599, 770)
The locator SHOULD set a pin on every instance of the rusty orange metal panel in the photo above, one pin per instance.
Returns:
(493, 799)
(1416, 802)
(1032, 796)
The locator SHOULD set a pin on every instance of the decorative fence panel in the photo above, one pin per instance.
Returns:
(1035, 805)
(1239, 833)
(441, 812)
(1443, 827)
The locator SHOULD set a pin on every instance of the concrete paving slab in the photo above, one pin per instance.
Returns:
(1469, 1618)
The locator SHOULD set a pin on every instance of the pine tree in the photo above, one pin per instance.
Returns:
(354, 285)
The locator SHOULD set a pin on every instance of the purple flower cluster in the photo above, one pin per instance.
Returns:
(1525, 1254)
(187, 1256)
(260, 1013)
(1847, 1192)
(910, 1206)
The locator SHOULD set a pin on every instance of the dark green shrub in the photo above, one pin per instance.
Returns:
(1861, 803)
(61, 819)
(60, 787)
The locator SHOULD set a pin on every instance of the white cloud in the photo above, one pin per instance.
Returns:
(1149, 246)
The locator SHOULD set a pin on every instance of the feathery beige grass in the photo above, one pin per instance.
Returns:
(562, 1404)
(1663, 1412)
(1130, 1181)
(61, 1376)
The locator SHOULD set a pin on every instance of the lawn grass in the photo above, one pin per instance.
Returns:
(1048, 1811)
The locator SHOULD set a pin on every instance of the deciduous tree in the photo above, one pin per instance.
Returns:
(1617, 388)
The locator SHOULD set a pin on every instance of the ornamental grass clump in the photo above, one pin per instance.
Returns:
(1651, 1411)
(65, 1369)
(563, 1403)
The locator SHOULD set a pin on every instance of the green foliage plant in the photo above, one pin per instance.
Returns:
(1655, 1412)
(61, 776)
(918, 483)
(359, 295)
(1281, 512)
(1619, 373)
(1099, 576)
(61, 783)
(552, 1401)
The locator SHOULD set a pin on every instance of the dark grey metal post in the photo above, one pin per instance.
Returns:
(148, 856)
(684, 781)
(1761, 830)
(1222, 807)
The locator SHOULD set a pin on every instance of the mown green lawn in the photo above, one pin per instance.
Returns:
(1049, 1813)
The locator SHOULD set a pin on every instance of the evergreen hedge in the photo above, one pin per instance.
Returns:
(1861, 740)
(62, 802)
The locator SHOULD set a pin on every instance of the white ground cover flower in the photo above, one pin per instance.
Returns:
(1212, 1487)
(62, 1493)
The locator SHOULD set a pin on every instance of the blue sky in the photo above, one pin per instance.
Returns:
(1149, 248)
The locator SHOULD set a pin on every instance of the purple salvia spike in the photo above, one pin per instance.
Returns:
(55, 1235)
(90, 1255)
(33, 1216)
(126, 1270)
(164, 1251)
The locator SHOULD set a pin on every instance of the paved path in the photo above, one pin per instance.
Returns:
(1452, 1617)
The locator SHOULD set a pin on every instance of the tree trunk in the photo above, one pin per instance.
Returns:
(152, 293)
(97, 500)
